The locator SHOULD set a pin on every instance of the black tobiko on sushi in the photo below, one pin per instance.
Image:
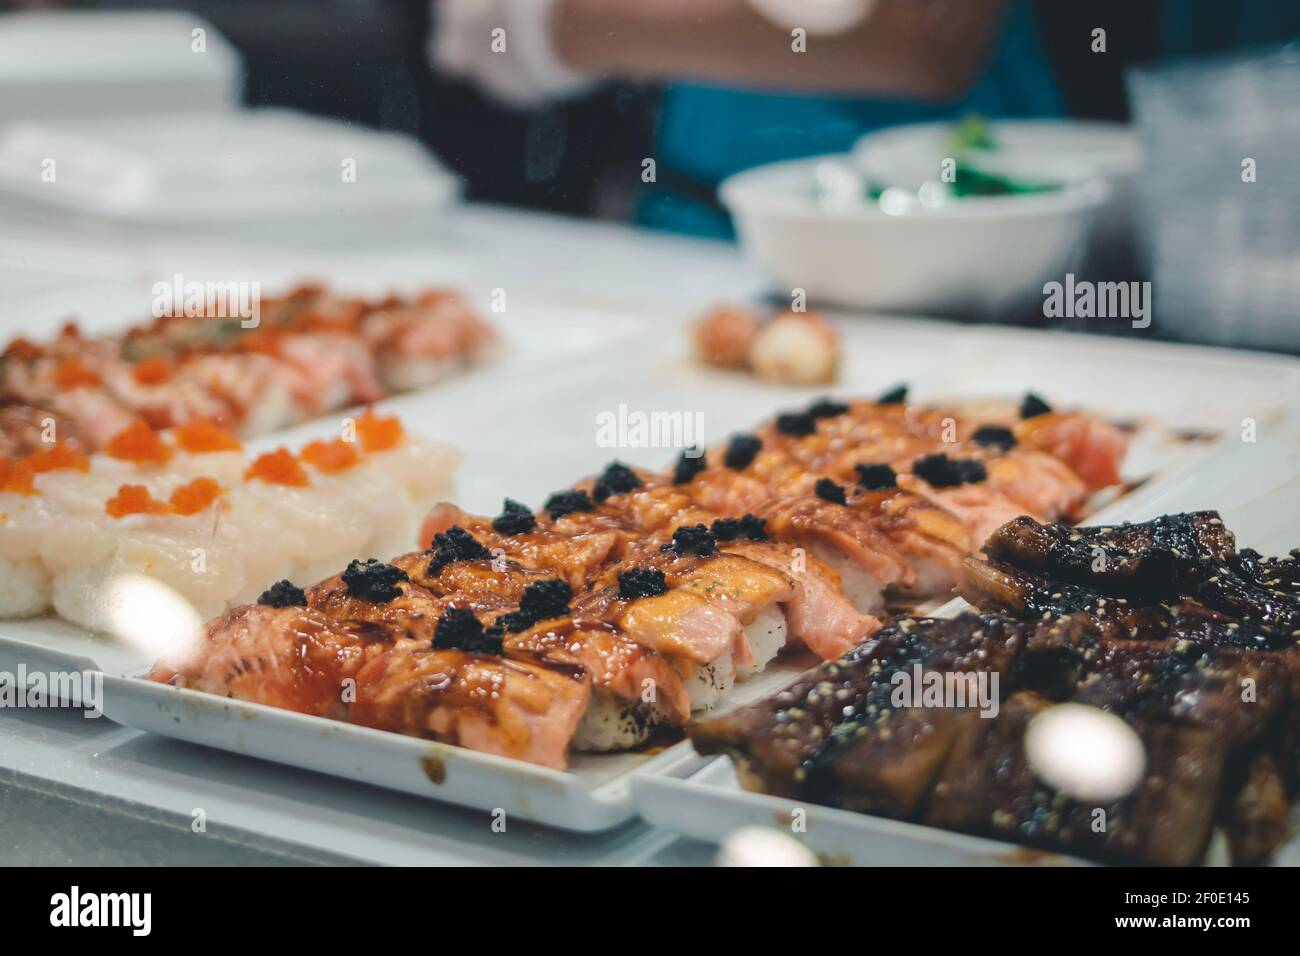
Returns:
(373, 581)
(748, 528)
(283, 594)
(568, 502)
(515, 518)
(455, 544)
(459, 630)
(637, 583)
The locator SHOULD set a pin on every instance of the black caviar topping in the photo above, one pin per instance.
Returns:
(742, 450)
(459, 630)
(515, 518)
(568, 502)
(641, 583)
(876, 476)
(688, 466)
(1033, 406)
(944, 472)
(827, 408)
(994, 436)
(545, 599)
(455, 544)
(693, 539)
(830, 491)
(283, 594)
(373, 581)
(796, 423)
(895, 396)
(749, 528)
(616, 479)
(542, 600)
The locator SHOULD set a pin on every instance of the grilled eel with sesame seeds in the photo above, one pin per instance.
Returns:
(836, 737)
(1241, 698)
(1141, 560)
(1264, 591)
(996, 586)
(1172, 557)
(1235, 677)
(988, 788)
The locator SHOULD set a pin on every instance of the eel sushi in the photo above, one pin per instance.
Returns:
(989, 788)
(1173, 627)
(839, 735)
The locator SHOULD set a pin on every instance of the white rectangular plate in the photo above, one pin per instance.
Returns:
(701, 799)
(592, 795)
(1256, 487)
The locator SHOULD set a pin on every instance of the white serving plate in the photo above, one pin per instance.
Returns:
(527, 425)
(700, 798)
(1257, 491)
(593, 795)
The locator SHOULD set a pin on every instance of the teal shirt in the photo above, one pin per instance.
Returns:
(1203, 27)
(708, 133)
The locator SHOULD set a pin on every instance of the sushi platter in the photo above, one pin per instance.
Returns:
(1194, 421)
(702, 799)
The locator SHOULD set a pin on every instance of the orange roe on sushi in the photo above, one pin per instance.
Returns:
(202, 436)
(278, 467)
(134, 500)
(71, 373)
(379, 434)
(18, 478)
(18, 475)
(152, 371)
(190, 499)
(59, 458)
(24, 350)
(331, 456)
(139, 443)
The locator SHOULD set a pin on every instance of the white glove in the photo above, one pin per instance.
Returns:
(818, 17)
(526, 72)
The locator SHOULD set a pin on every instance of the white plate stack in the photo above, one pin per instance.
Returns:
(1220, 196)
(263, 174)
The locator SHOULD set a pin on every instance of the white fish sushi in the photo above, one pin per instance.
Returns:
(189, 509)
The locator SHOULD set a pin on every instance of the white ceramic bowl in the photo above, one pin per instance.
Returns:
(1110, 150)
(979, 256)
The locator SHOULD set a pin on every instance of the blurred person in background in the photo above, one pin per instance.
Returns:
(754, 81)
(734, 94)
